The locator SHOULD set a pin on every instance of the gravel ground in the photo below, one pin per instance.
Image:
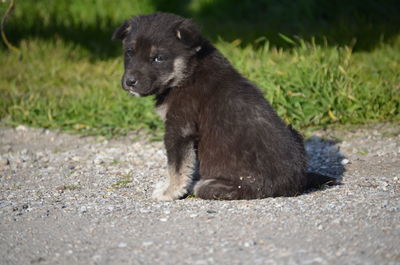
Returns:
(68, 199)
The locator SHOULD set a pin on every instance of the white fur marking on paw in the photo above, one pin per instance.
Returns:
(159, 190)
(162, 193)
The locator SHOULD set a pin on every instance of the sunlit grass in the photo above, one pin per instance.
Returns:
(70, 79)
(52, 88)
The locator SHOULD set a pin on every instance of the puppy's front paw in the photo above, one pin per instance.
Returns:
(163, 192)
(162, 197)
(160, 190)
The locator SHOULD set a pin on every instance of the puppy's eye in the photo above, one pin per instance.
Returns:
(158, 59)
(129, 52)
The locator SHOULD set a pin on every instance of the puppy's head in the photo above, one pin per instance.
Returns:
(158, 52)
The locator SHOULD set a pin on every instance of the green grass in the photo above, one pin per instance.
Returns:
(54, 87)
(71, 187)
(68, 74)
(122, 183)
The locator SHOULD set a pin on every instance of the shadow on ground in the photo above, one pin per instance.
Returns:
(324, 157)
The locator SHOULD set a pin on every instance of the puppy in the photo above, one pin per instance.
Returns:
(218, 126)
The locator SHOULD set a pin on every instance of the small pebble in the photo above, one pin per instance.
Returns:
(21, 128)
(83, 209)
(122, 245)
(4, 162)
(147, 243)
(249, 244)
(344, 161)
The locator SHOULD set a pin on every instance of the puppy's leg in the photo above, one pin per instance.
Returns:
(217, 189)
(181, 168)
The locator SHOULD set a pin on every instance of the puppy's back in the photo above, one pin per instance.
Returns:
(244, 142)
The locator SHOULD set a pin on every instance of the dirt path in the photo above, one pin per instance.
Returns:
(68, 199)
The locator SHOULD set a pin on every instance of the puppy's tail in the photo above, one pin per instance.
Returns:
(316, 181)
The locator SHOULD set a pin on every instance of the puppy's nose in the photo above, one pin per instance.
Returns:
(131, 82)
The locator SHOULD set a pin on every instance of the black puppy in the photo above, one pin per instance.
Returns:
(218, 124)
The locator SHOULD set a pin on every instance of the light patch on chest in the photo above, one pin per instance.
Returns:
(177, 74)
(162, 111)
(186, 130)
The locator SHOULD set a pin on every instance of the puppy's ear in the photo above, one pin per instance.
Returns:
(121, 32)
(188, 33)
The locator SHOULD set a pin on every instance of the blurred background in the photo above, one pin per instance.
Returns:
(320, 63)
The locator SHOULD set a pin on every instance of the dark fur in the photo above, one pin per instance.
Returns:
(242, 149)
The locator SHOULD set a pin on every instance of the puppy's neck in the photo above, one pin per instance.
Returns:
(160, 98)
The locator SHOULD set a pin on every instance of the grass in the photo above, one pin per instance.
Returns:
(53, 87)
(122, 183)
(316, 72)
(71, 187)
